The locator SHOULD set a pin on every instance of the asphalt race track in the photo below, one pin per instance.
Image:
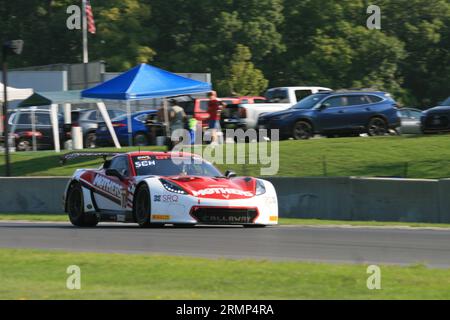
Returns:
(324, 244)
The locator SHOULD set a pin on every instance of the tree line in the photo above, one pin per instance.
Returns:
(249, 45)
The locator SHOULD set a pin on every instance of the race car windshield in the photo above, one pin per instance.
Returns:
(149, 166)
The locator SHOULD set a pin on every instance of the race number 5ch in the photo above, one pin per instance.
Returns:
(74, 280)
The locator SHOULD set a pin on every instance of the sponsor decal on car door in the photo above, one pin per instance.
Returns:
(110, 193)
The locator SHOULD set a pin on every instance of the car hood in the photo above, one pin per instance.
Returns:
(438, 109)
(276, 114)
(217, 188)
(286, 112)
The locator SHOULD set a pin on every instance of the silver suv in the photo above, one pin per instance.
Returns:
(88, 121)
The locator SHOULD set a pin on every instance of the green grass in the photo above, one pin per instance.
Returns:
(34, 274)
(283, 221)
(414, 157)
(33, 217)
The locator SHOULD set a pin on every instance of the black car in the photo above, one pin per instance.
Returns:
(437, 119)
(21, 127)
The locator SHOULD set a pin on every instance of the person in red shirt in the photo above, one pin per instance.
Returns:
(215, 107)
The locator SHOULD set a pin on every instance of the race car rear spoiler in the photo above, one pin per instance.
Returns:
(75, 155)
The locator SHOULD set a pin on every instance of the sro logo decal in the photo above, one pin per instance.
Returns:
(166, 198)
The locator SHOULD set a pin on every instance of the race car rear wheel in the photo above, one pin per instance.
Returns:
(75, 208)
(142, 208)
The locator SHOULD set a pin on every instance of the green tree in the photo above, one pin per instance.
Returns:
(292, 42)
(337, 50)
(201, 36)
(121, 40)
(42, 25)
(241, 76)
(424, 27)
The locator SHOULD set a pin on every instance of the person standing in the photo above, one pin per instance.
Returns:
(215, 107)
(177, 118)
(192, 127)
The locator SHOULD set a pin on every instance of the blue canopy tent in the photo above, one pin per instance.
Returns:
(145, 82)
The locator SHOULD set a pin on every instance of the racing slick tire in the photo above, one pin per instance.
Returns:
(142, 208)
(75, 208)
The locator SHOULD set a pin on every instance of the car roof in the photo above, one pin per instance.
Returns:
(32, 109)
(301, 88)
(357, 92)
(90, 110)
(145, 111)
(139, 113)
(439, 108)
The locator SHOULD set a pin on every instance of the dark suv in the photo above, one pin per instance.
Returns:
(26, 123)
(335, 113)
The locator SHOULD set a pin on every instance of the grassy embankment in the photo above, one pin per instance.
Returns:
(414, 157)
(34, 274)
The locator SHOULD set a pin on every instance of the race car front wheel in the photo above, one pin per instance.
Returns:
(75, 208)
(142, 208)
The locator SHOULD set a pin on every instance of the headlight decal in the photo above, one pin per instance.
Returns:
(172, 187)
(260, 188)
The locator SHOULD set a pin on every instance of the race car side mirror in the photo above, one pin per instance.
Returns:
(230, 174)
(114, 173)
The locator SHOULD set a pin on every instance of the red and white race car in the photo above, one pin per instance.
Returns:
(157, 188)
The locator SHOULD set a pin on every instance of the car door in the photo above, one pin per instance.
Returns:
(358, 111)
(331, 115)
(44, 126)
(111, 193)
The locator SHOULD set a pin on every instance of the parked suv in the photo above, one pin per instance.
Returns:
(245, 115)
(335, 113)
(26, 123)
